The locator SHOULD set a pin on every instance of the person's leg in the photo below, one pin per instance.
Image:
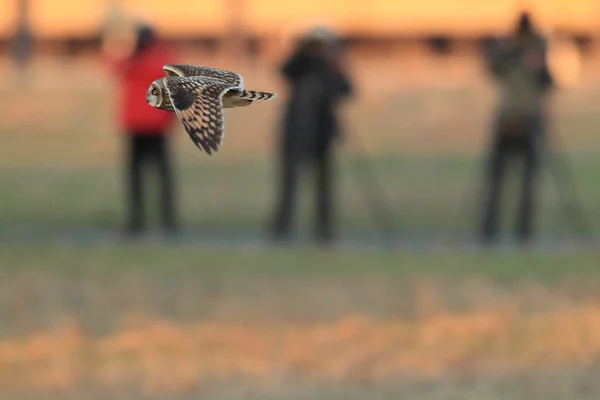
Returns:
(525, 215)
(165, 174)
(134, 189)
(324, 192)
(288, 182)
(496, 166)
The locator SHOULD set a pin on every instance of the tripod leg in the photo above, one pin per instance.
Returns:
(374, 197)
(572, 205)
(372, 192)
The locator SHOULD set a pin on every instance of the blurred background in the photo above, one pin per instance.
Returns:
(232, 297)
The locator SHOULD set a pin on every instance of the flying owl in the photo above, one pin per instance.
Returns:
(198, 95)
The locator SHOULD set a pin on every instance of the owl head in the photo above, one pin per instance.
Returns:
(157, 95)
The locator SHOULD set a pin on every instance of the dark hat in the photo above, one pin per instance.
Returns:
(525, 22)
(145, 35)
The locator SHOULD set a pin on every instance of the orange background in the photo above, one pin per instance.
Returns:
(180, 17)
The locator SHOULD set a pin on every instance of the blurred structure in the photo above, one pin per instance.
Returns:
(235, 43)
(146, 129)
(317, 84)
(117, 31)
(385, 24)
(22, 41)
(519, 65)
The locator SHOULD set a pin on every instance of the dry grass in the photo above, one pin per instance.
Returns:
(161, 322)
(167, 358)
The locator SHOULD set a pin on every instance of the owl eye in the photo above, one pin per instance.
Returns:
(154, 92)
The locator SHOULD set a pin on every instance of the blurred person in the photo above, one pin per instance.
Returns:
(22, 42)
(317, 83)
(519, 66)
(146, 129)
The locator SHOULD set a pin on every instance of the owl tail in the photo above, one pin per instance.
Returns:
(255, 95)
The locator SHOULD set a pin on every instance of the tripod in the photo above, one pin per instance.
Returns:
(373, 193)
(371, 190)
(571, 207)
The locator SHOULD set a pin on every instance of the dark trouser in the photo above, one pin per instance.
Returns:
(291, 164)
(504, 147)
(145, 151)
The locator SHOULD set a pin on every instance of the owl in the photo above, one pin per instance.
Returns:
(198, 95)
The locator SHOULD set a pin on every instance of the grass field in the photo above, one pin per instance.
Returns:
(96, 319)
(156, 321)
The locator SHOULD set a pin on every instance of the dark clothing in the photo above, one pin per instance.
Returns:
(308, 131)
(316, 87)
(508, 145)
(148, 150)
(289, 167)
(522, 73)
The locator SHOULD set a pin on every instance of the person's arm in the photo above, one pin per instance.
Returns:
(498, 57)
(545, 79)
(545, 76)
(296, 65)
(343, 86)
(536, 61)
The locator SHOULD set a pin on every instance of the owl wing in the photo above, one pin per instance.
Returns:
(198, 103)
(195, 70)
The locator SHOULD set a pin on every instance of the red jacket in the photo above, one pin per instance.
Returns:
(135, 74)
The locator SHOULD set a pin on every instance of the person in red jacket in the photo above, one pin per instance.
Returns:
(146, 128)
